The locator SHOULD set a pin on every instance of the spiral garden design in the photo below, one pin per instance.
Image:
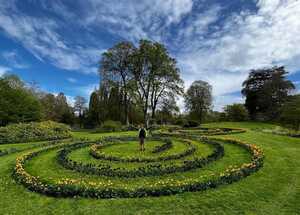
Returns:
(113, 167)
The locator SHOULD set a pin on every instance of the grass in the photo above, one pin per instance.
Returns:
(275, 189)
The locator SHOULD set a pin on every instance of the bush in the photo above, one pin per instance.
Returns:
(236, 112)
(180, 122)
(34, 131)
(129, 128)
(191, 124)
(109, 126)
(290, 115)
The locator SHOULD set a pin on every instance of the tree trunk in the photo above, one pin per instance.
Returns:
(153, 113)
(126, 109)
(145, 118)
(201, 115)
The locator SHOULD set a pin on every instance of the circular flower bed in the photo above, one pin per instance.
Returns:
(111, 176)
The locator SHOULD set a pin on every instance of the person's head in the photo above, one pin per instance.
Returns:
(141, 125)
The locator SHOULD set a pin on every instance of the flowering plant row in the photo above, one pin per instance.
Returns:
(167, 145)
(195, 132)
(95, 151)
(34, 131)
(77, 187)
(147, 170)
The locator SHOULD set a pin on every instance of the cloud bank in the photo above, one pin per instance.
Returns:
(210, 41)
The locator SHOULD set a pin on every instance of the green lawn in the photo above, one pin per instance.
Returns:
(274, 189)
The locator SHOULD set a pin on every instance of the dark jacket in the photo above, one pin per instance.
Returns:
(142, 133)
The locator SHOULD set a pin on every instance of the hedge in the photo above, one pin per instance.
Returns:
(34, 131)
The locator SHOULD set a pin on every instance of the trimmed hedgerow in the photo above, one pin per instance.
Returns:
(147, 170)
(76, 187)
(34, 131)
(95, 151)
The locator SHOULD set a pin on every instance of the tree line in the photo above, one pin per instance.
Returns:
(141, 84)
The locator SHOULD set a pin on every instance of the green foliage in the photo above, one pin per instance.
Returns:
(56, 108)
(17, 104)
(266, 90)
(109, 126)
(34, 131)
(180, 122)
(116, 69)
(291, 112)
(94, 115)
(236, 112)
(191, 124)
(168, 109)
(140, 84)
(198, 100)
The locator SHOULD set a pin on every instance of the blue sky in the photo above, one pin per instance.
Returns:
(58, 43)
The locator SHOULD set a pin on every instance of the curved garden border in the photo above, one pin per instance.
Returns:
(208, 132)
(71, 188)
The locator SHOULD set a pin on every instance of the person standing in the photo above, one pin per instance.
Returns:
(142, 136)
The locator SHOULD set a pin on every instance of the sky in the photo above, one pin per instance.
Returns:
(58, 43)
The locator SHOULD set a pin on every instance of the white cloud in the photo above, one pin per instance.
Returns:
(86, 91)
(14, 59)
(135, 19)
(209, 44)
(72, 80)
(246, 41)
(40, 36)
(70, 100)
(3, 70)
(221, 101)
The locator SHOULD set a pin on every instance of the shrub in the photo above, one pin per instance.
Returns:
(129, 128)
(191, 124)
(109, 126)
(34, 131)
(180, 122)
(236, 112)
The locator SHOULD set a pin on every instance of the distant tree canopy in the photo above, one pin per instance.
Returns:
(167, 110)
(236, 112)
(291, 112)
(266, 90)
(198, 99)
(17, 103)
(139, 78)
